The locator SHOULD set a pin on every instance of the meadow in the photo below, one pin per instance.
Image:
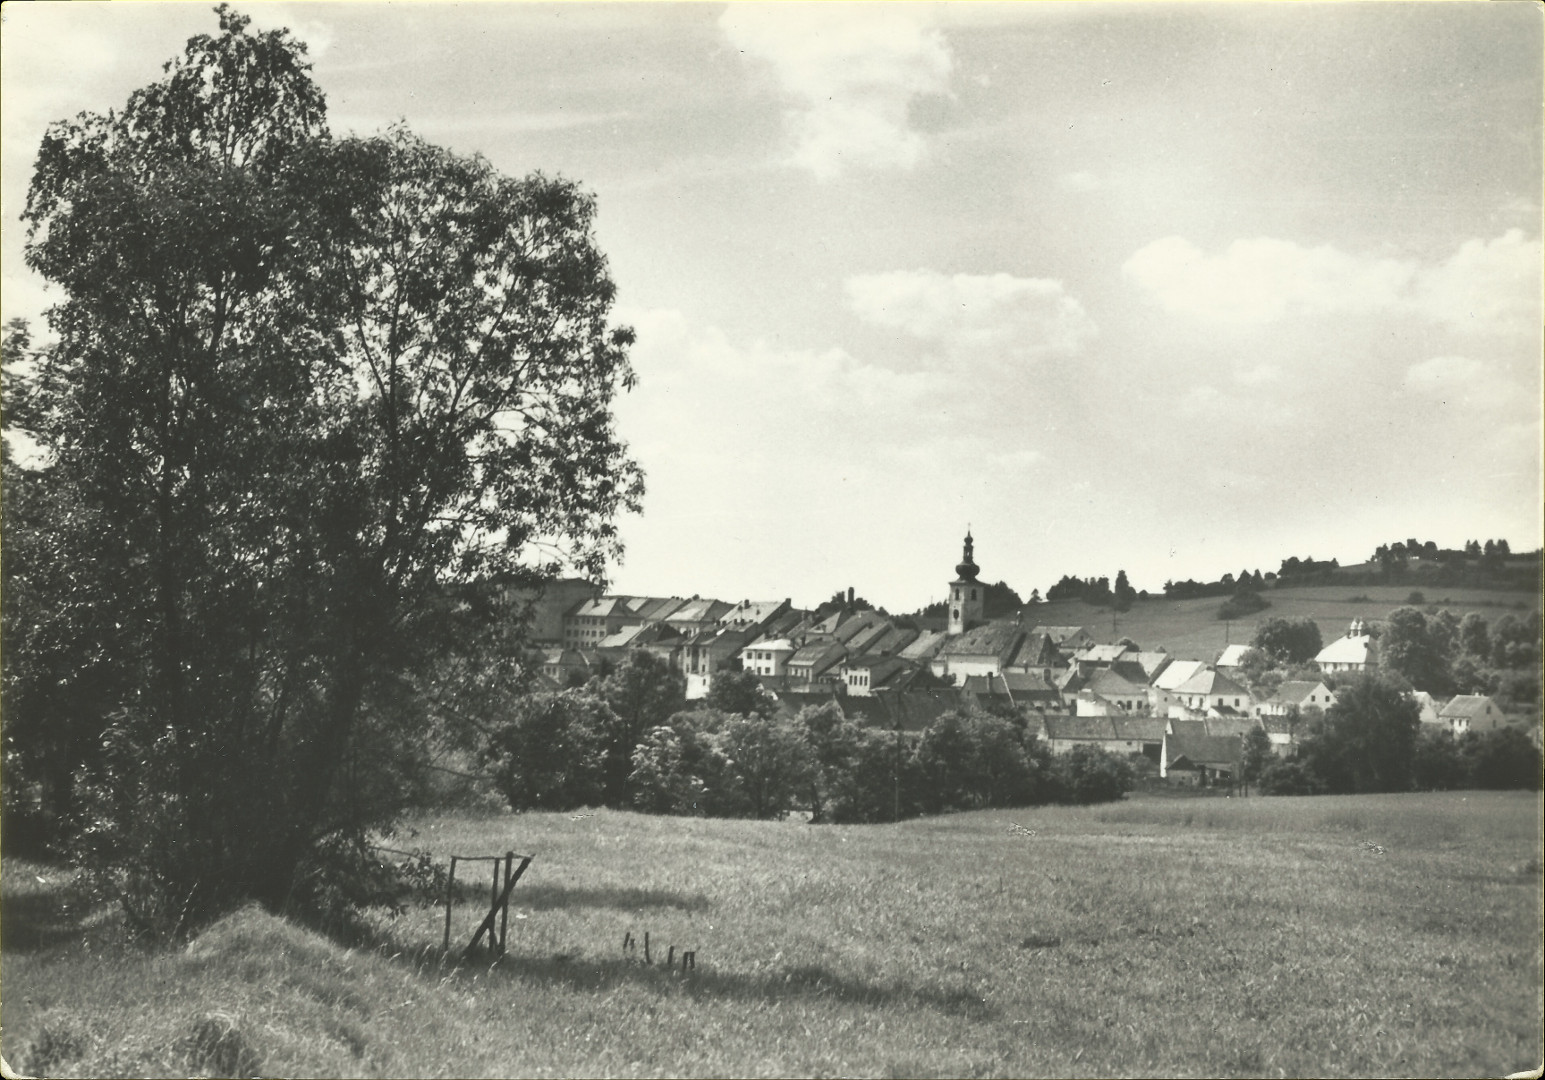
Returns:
(1190, 628)
(1337, 936)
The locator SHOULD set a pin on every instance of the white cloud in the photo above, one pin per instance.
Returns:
(1257, 281)
(974, 316)
(1460, 380)
(851, 72)
(1486, 286)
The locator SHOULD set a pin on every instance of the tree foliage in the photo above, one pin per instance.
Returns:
(1289, 641)
(302, 388)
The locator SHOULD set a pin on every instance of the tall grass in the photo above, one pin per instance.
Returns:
(1379, 935)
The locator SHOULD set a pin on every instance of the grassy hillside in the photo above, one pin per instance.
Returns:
(1191, 629)
(1329, 937)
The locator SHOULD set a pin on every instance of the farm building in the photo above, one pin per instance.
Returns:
(1200, 760)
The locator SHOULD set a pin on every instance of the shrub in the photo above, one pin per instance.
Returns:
(1090, 775)
(549, 754)
(1291, 777)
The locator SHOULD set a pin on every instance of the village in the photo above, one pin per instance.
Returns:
(1187, 715)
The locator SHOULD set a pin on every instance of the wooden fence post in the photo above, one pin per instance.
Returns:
(646, 947)
(450, 893)
(504, 914)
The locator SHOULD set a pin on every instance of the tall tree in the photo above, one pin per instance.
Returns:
(302, 389)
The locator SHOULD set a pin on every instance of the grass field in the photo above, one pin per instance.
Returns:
(1190, 628)
(1366, 936)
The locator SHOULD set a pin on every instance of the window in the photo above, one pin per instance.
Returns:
(973, 594)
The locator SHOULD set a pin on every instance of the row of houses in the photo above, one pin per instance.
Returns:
(900, 675)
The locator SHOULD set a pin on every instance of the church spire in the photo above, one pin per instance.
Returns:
(967, 568)
(966, 593)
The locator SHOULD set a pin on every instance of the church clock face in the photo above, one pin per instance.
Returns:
(955, 614)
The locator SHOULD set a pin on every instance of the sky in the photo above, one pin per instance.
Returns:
(1175, 289)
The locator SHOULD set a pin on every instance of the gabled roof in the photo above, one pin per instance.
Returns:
(819, 654)
(1347, 650)
(1112, 684)
(601, 605)
(1469, 706)
(751, 612)
(701, 609)
(1080, 727)
(1027, 683)
(654, 607)
(1295, 692)
(1178, 672)
(1037, 650)
(622, 638)
(1131, 671)
(990, 639)
(1194, 728)
(925, 645)
(1232, 656)
(1100, 654)
(1228, 722)
(1215, 750)
(1209, 682)
(1143, 728)
(892, 641)
(866, 636)
(1154, 662)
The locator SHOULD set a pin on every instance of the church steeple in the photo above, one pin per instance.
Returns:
(965, 603)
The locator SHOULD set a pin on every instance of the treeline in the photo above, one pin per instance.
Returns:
(1096, 590)
(629, 741)
(1371, 740)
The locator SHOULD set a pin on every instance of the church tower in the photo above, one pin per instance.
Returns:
(965, 602)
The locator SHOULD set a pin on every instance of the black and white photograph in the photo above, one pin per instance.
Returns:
(771, 539)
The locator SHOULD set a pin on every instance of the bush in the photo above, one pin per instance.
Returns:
(549, 754)
(1291, 777)
(1090, 775)
(1243, 602)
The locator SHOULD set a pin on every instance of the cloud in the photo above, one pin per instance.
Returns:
(1462, 381)
(850, 72)
(1486, 286)
(974, 315)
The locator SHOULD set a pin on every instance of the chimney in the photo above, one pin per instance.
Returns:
(850, 596)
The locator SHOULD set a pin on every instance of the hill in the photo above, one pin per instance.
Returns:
(1190, 628)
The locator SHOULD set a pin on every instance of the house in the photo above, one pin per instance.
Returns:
(565, 667)
(1114, 734)
(1067, 639)
(603, 616)
(698, 614)
(1153, 663)
(1128, 696)
(1471, 712)
(1200, 760)
(979, 651)
(1283, 732)
(1297, 694)
(709, 652)
(862, 675)
(1036, 653)
(756, 614)
(814, 661)
(1429, 707)
(1161, 690)
(1354, 652)
(1145, 733)
(767, 657)
(1210, 690)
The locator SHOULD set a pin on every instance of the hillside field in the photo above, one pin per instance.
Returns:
(1350, 936)
(1190, 628)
